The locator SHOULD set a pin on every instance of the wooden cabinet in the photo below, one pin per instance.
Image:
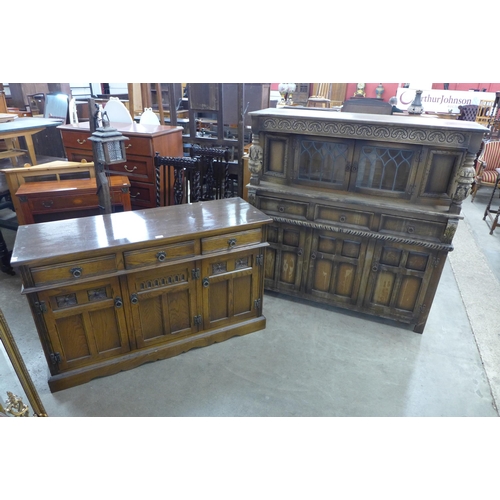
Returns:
(111, 292)
(142, 144)
(55, 200)
(364, 207)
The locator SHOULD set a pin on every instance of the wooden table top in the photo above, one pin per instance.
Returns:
(27, 123)
(74, 238)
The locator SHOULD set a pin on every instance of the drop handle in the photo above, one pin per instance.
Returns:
(161, 256)
(80, 141)
(118, 302)
(76, 272)
(130, 169)
(205, 282)
(231, 242)
(134, 299)
(47, 204)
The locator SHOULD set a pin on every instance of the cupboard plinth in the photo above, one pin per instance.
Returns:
(131, 287)
(364, 207)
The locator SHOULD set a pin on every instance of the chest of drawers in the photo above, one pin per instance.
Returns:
(111, 292)
(142, 144)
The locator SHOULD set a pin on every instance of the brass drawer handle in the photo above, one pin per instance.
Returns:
(128, 146)
(231, 242)
(161, 256)
(135, 195)
(128, 169)
(76, 272)
(80, 141)
(47, 204)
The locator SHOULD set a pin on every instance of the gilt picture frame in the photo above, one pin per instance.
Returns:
(36, 406)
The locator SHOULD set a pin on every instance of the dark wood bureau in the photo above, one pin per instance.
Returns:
(142, 144)
(111, 292)
(364, 206)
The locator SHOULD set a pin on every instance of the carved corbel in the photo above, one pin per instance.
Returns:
(463, 183)
(255, 156)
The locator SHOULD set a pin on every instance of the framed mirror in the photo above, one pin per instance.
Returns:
(14, 402)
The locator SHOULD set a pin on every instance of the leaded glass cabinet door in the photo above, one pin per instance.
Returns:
(385, 169)
(85, 324)
(323, 163)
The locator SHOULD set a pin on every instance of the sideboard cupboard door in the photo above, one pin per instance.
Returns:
(285, 256)
(399, 277)
(85, 323)
(231, 288)
(163, 304)
(335, 267)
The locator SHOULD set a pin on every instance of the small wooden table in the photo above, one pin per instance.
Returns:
(23, 127)
(55, 200)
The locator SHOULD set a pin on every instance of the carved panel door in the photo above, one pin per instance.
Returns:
(399, 278)
(163, 303)
(85, 324)
(231, 290)
(285, 256)
(335, 267)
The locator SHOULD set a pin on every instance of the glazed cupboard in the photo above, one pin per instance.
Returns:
(364, 206)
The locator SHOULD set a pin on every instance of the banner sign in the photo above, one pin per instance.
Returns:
(446, 101)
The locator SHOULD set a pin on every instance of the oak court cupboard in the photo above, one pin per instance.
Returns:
(364, 206)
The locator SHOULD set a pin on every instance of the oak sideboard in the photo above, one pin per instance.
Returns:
(364, 206)
(111, 292)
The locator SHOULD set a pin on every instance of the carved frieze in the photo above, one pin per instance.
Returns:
(370, 234)
(385, 132)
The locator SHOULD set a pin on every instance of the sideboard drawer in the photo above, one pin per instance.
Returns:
(140, 146)
(48, 203)
(142, 195)
(283, 207)
(71, 271)
(412, 227)
(77, 139)
(136, 168)
(231, 240)
(357, 218)
(159, 254)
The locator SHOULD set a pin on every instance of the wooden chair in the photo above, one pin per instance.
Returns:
(201, 177)
(483, 115)
(486, 167)
(321, 97)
